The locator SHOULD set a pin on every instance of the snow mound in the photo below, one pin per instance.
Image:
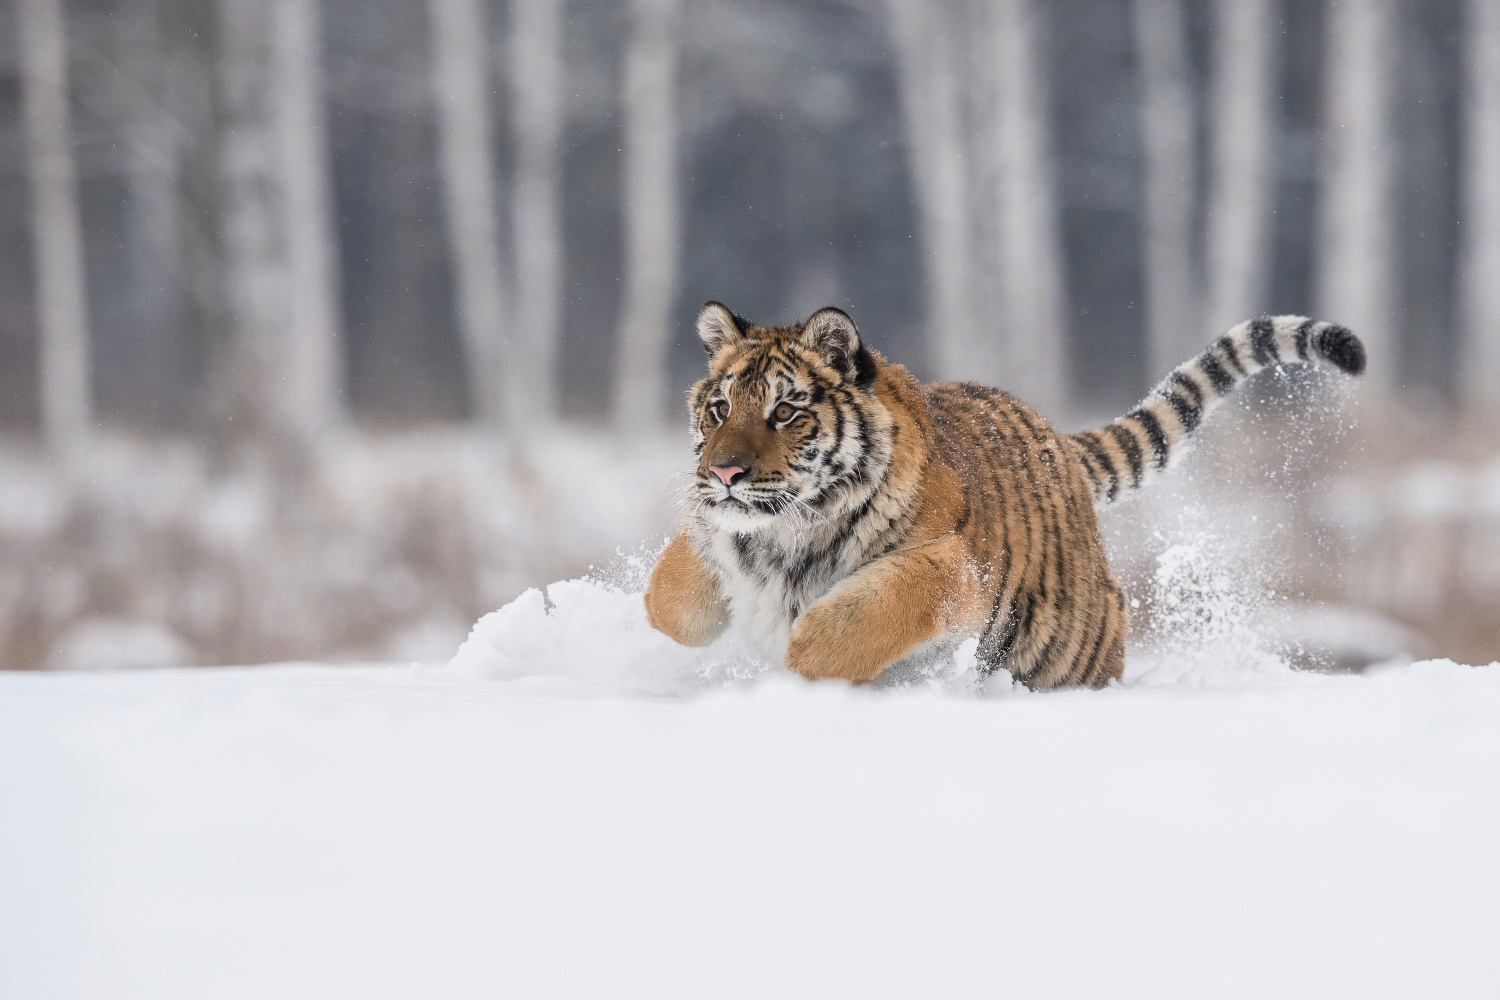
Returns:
(592, 635)
(1214, 622)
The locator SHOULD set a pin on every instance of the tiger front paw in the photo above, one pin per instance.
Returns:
(822, 649)
(682, 599)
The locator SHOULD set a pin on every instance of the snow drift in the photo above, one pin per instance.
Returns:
(575, 806)
(1213, 626)
(396, 832)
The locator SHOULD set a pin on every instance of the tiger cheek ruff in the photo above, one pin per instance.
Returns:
(846, 518)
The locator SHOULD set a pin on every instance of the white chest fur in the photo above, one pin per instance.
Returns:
(764, 603)
(764, 594)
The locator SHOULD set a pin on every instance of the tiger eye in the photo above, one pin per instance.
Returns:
(784, 412)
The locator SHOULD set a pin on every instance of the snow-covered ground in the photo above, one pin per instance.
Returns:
(574, 807)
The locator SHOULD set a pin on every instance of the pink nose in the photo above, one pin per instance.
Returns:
(726, 473)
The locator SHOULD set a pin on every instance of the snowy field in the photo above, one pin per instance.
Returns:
(574, 807)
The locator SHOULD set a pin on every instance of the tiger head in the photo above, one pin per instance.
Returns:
(787, 426)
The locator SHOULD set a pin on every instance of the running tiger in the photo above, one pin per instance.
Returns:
(846, 518)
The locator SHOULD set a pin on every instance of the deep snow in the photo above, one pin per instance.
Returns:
(575, 807)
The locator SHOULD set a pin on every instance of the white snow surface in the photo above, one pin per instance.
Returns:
(575, 807)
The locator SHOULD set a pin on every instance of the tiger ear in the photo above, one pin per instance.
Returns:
(832, 334)
(718, 326)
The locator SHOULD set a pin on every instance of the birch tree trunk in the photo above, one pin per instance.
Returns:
(986, 155)
(1239, 210)
(460, 61)
(314, 361)
(61, 295)
(1356, 272)
(536, 61)
(930, 105)
(1035, 331)
(1480, 276)
(153, 168)
(1174, 327)
(279, 259)
(652, 230)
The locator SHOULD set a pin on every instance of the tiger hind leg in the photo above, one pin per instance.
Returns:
(1081, 643)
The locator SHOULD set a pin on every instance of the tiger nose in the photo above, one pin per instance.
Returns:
(729, 474)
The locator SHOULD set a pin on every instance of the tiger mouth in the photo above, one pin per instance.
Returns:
(764, 507)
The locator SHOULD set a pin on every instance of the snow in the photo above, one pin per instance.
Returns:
(576, 807)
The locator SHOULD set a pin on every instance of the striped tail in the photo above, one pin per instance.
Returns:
(1129, 452)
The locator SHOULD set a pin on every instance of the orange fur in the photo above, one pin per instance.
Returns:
(979, 525)
(885, 611)
(683, 598)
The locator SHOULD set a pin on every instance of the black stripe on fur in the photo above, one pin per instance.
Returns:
(1304, 339)
(1343, 348)
(1154, 434)
(1188, 386)
(1263, 342)
(1232, 355)
(1131, 446)
(1091, 444)
(1188, 412)
(1221, 380)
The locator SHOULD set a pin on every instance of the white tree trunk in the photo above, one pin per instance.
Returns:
(460, 62)
(1480, 275)
(314, 363)
(652, 233)
(982, 72)
(1241, 178)
(278, 247)
(930, 106)
(536, 61)
(1356, 270)
(1173, 308)
(61, 295)
(1035, 321)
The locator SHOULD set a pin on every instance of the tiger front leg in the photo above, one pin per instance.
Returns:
(683, 598)
(885, 611)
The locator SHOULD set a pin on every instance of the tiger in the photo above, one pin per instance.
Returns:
(846, 518)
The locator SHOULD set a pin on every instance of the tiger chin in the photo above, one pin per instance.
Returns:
(846, 518)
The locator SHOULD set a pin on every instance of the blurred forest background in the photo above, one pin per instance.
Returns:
(327, 326)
